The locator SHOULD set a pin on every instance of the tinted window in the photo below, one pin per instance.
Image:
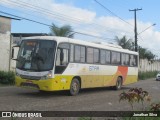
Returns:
(108, 57)
(125, 59)
(83, 54)
(64, 45)
(77, 53)
(64, 60)
(89, 55)
(133, 60)
(71, 53)
(36, 55)
(62, 54)
(96, 55)
(115, 58)
(103, 57)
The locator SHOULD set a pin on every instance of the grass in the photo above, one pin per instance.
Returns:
(147, 75)
(7, 78)
(4, 85)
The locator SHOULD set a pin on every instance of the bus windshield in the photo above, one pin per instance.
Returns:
(36, 55)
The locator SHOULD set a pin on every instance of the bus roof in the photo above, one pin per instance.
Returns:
(101, 45)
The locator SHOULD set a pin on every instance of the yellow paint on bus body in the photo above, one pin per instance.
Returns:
(62, 82)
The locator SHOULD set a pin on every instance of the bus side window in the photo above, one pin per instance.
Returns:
(62, 58)
(102, 57)
(123, 59)
(71, 53)
(116, 59)
(89, 55)
(133, 60)
(96, 55)
(79, 54)
(108, 57)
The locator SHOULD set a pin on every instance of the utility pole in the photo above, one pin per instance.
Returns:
(135, 27)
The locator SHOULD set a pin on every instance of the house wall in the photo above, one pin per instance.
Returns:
(5, 30)
(5, 25)
(4, 51)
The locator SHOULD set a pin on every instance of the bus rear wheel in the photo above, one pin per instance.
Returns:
(74, 87)
(118, 84)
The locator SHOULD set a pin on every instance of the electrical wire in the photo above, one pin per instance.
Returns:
(112, 13)
(51, 26)
(60, 15)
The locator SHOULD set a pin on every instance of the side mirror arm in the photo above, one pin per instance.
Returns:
(12, 56)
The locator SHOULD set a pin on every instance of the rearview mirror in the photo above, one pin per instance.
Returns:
(61, 55)
(14, 52)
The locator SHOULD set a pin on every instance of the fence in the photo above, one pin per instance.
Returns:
(145, 65)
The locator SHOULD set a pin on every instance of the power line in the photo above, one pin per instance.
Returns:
(112, 13)
(51, 26)
(60, 16)
(25, 18)
(81, 33)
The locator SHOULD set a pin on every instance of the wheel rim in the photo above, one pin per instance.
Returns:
(74, 87)
(119, 84)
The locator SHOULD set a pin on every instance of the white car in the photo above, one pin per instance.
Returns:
(158, 77)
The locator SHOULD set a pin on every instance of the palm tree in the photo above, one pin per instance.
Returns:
(125, 43)
(146, 54)
(64, 31)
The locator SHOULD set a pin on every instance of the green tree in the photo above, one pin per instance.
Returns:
(129, 44)
(64, 31)
(125, 43)
(145, 54)
(142, 52)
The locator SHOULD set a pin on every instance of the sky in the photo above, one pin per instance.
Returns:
(87, 16)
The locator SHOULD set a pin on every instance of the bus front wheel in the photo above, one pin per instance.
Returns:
(74, 87)
(118, 84)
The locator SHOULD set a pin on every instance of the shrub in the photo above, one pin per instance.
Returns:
(7, 78)
(146, 75)
(135, 95)
(155, 107)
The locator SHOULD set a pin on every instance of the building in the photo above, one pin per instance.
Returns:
(16, 37)
(5, 42)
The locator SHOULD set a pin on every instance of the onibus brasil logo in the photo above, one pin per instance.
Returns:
(21, 114)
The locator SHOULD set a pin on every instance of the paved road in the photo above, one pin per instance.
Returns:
(13, 98)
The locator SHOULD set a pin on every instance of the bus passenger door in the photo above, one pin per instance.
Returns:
(62, 58)
(62, 61)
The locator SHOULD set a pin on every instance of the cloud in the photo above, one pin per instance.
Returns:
(78, 14)
(89, 22)
(150, 38)
(64, 12)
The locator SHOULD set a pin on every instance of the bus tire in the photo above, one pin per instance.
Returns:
(118, 85)
(74, 87)
(43, 92)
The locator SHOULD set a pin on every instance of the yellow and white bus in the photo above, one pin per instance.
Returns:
(50, 63)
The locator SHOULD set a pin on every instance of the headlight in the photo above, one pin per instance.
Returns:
(49, 75)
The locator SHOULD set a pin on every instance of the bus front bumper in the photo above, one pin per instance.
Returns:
(52, 84)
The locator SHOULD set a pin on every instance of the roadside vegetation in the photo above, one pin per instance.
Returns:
(147, 75)
(63, 31)
(126, 43)
(140, 96)
(7, 78)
